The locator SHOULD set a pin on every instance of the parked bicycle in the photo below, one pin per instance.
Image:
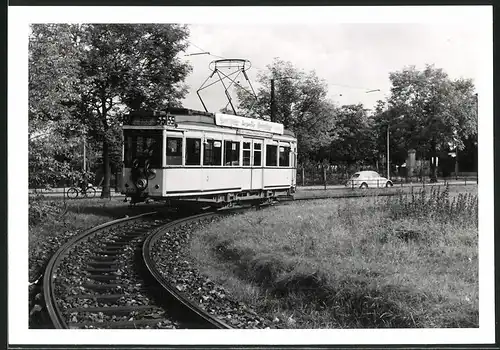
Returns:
(88, 192)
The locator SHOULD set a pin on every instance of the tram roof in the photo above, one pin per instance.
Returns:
(191, 116)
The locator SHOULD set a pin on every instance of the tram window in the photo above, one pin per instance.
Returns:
(142, 146)
(271, 155)
(174, 151)
(257, 154)
(284, 156)
(212, 152)
(193, 151)
(231, 153)
(246, 153)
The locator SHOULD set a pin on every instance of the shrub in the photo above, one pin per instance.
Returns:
(435, 204)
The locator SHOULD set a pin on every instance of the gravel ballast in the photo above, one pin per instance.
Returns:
(171, 254)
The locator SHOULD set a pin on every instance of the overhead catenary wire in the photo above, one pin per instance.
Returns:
(204, 51)
(367, 90)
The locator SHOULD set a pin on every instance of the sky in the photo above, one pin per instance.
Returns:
(351, 58)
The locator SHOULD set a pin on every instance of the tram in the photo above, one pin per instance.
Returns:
(180, 154)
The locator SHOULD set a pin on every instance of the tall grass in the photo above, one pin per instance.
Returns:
(406, 261)
(434, 204)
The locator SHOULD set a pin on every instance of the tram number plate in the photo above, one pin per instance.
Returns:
(170, 120)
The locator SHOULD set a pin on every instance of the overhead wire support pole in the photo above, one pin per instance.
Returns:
(273, 102)
(388, 167)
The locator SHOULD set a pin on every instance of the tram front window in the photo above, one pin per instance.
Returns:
(142, 146)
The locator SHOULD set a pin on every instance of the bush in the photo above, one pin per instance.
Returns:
(435, 204)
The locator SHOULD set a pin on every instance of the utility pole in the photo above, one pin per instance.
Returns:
(388, 170)
(273, 102)
(477, 106)
(84, 153)
(388, 128)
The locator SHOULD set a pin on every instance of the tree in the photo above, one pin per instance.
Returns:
(52, 89)
(90, 74)
(385, 117)
(438, 111)
(355, 138)
(129, 67)
(300, 105)
(53, 76)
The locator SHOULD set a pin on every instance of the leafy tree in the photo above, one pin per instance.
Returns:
(111, 68)
(355, 138)
(300, 105)
(52, 89)
(438, 111)
(53, 76)
(385, 117)
(128, 67)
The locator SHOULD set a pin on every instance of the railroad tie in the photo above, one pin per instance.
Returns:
(104, 286)
(113, 310)
(117, 324)
(97, 297)
(103, 278)
(101, 270)
(113, 264)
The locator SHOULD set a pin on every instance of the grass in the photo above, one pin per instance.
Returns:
(48, 217)
(52, 222)
(399, 262)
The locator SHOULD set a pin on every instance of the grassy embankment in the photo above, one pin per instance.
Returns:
(404, 261)
(52, 222)
(49, 219)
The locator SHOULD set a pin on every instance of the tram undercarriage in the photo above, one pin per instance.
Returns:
(220, 200)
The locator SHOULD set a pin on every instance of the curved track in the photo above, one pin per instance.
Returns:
(106, 294)
(104, 281)
(154, 270)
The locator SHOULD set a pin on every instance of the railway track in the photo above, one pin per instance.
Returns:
(96, 280)
(108, 277)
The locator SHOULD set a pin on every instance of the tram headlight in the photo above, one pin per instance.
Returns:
(141, 184)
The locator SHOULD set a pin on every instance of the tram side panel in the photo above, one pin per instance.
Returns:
(277, 178)
(202, 179)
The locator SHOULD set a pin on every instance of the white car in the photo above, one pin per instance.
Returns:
(365, 179)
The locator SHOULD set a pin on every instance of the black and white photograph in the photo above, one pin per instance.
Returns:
(251, 175)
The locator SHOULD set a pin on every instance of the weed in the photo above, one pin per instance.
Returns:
(404, 261)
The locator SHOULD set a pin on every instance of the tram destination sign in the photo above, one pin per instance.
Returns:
(151, 120)
(238, 122)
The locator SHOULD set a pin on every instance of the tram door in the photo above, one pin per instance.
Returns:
(257, 164)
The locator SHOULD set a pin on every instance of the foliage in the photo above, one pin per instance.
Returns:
(128, 67)
(354, 139)
(51, 160)
(436, 205)
(346, 263)
(300, 104)
(385, 117)
(53, 76)
(109, 69)
(437, 111)
(52, 89)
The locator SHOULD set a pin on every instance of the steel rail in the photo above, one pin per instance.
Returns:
(49, 275)
(152, 268)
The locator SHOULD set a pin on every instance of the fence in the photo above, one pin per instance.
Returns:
(339, 175)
